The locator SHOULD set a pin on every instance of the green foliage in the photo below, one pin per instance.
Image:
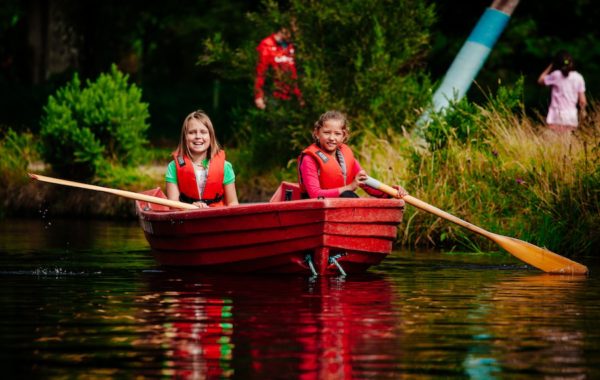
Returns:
(461, 121)
(464, 120)
(270, 139)
(572, 214)
(240, 62)
(508, 99)
(132, 178)
(83, 129)
(360, 57)
(463, 173)
(17, 150)
(515, 178)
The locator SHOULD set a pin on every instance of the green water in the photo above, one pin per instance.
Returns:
(83, 299)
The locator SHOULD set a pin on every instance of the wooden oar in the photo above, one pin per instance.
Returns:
(121, 193)
(535, 256)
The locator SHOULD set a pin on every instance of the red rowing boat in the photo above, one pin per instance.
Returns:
(285, 235)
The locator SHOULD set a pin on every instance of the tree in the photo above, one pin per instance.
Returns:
(363, 57)
(535, 32)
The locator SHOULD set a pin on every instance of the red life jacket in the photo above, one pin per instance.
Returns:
(188, 187)
(330, 171)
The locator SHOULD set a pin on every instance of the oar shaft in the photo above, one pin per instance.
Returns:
(425, 206)
(121, 193)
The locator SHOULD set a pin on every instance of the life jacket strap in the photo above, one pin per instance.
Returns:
(186, 199)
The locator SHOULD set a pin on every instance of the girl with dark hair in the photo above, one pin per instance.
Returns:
(568, 92)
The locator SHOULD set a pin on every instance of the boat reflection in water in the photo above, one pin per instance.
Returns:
(253, 327)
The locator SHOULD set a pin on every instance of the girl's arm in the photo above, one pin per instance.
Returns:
(230, 195)
(374, 192)
(582, 101)
(172, 191)
(543, 75)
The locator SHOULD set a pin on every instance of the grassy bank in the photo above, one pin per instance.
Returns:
(518, 179)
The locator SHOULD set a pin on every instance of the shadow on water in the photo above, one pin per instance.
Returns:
(71, 245)
(107, 311)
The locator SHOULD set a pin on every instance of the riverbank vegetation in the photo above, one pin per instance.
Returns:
(508, 174)
(490, 162)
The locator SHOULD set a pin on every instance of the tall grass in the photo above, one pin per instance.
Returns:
(17, 150)
(517, 178)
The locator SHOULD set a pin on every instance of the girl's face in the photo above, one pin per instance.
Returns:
(331, 135)
(197, 138)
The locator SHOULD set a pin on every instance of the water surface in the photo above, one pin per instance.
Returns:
(84, 299)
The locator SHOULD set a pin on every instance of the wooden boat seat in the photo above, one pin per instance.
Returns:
(287, 191)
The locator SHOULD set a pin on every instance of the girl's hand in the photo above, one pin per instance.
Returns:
(351, 186)
(200, 204)
(361, 176)
(401, 192)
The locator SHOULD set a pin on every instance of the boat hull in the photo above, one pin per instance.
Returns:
(298, 236)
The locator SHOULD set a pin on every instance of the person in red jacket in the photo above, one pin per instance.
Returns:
(276, 53)
(327, 168)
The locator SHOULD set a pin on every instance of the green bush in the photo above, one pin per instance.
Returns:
(84, 129)
(464, 120)
(460, 121)
(17, 150)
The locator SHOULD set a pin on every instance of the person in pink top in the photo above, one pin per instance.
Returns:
(327, 168)
(568, 92)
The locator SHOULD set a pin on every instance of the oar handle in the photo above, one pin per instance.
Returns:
(121, 193)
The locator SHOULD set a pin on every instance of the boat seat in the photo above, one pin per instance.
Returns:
(289, 189)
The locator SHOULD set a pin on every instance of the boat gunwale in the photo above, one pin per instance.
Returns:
(268, 207)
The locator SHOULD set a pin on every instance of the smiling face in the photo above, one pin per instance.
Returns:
(197, 139)
(331, 135)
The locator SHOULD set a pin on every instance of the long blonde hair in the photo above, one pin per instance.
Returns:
(202, 117)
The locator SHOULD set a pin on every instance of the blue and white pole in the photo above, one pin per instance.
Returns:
(472, 56)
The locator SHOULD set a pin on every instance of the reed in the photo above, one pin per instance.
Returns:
(17, 151)
(517, 178)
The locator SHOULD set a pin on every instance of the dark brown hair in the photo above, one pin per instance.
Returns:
(563, 62)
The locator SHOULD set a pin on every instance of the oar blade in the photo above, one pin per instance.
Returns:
(540, 258)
